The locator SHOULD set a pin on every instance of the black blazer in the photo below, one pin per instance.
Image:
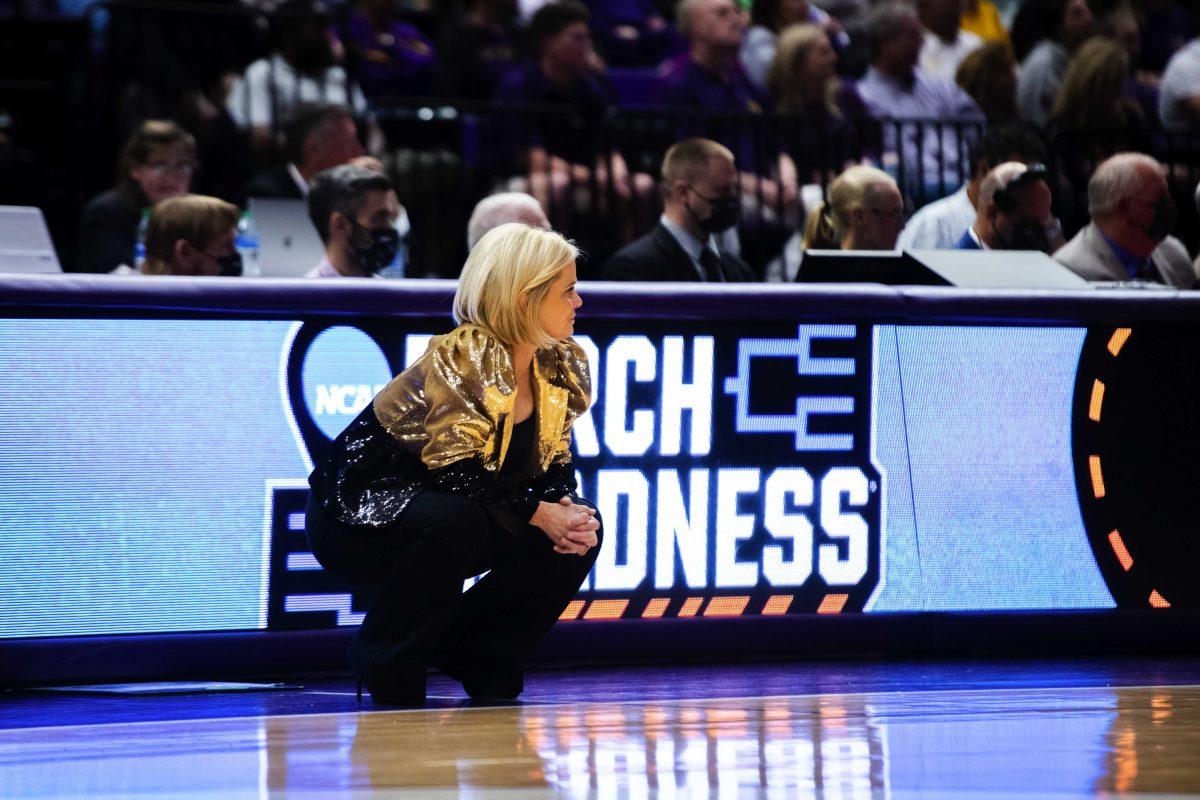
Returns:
(657, 256)
(273, 182)
(108, 232)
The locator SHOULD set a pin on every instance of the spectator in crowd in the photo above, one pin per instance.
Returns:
(1168, 26)
(479, 49)
(940, 225)
(828, 124)
(319, 136)
(768, 20)
(497, 209)
(1129, 235)
(564, 154)
(1179, 93)
(864, 212)
(711, 79)
(1122, 26)
(355, 211)
(156, 163)
(389, 56)
(1044, 34)
(1093, 118)
(633, 33)
(803, 77)
(302, 68)
(989, 76)
(700, 202)
(193, 235)
(982, 18)
(946, 43)
(1014, 212)
(896, 88)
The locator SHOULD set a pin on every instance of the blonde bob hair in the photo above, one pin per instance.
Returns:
(195, 218)
(512, 261)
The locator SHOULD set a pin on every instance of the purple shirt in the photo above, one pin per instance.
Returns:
(687, 85)
(398, 60)
(649, 49)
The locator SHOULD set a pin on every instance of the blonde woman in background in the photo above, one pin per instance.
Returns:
(1092, 119)
(865, 211)
(826, 124)
(192, 235)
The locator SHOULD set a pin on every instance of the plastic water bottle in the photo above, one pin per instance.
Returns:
(247, 245)
(139, 248)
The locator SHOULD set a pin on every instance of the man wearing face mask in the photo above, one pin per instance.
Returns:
(700, 202)
(355, 211)
(1128, 238)
(1014, 212)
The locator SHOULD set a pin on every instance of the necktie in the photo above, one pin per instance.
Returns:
(710, 262)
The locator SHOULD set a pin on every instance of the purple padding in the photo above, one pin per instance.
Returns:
(295, 297)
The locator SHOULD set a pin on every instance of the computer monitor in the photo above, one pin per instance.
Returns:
(890, 267)
(25, 244)
(288, 243)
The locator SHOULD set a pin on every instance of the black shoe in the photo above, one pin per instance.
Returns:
(397, 684)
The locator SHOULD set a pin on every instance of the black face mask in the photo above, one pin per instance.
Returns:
(230, 265)
(723, 212)
(1164, 219)
(380, 253)
(1026, 236)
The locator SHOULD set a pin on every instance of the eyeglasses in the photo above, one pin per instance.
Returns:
(181, 170)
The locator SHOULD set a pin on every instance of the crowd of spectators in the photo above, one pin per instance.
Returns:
(959, 102)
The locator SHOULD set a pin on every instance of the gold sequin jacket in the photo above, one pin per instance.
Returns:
(445, 424)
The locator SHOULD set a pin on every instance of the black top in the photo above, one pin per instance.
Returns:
(575, 137)
(108, 232)
(520, 448)
(657, 256)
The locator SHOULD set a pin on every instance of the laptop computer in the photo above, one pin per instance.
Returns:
(288, 244)
(25, 244)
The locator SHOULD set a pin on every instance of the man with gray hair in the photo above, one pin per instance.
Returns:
(896, 88)
(497, 209)
(1128, 238)
(1014, 212)
(355, 211)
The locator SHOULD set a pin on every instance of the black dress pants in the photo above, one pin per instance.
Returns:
(419, 614)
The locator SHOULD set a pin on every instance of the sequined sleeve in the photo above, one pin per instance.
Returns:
(575, 375)
(464, 396)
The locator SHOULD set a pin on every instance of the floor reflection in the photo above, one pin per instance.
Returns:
(1059, 743)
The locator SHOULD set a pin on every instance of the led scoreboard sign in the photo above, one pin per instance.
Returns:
(779, 508)
(767, 467)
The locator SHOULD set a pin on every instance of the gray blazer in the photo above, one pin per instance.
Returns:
(1091, 258)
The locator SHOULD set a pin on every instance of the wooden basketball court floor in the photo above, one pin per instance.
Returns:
(947, 729)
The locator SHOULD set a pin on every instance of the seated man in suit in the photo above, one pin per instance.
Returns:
(1128, 238)
(700, 200)
(1014, 212)
(319, 136)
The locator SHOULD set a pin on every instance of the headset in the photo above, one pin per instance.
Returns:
(1005, 197)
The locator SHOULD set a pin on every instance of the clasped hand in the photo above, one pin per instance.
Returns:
(572, 527)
